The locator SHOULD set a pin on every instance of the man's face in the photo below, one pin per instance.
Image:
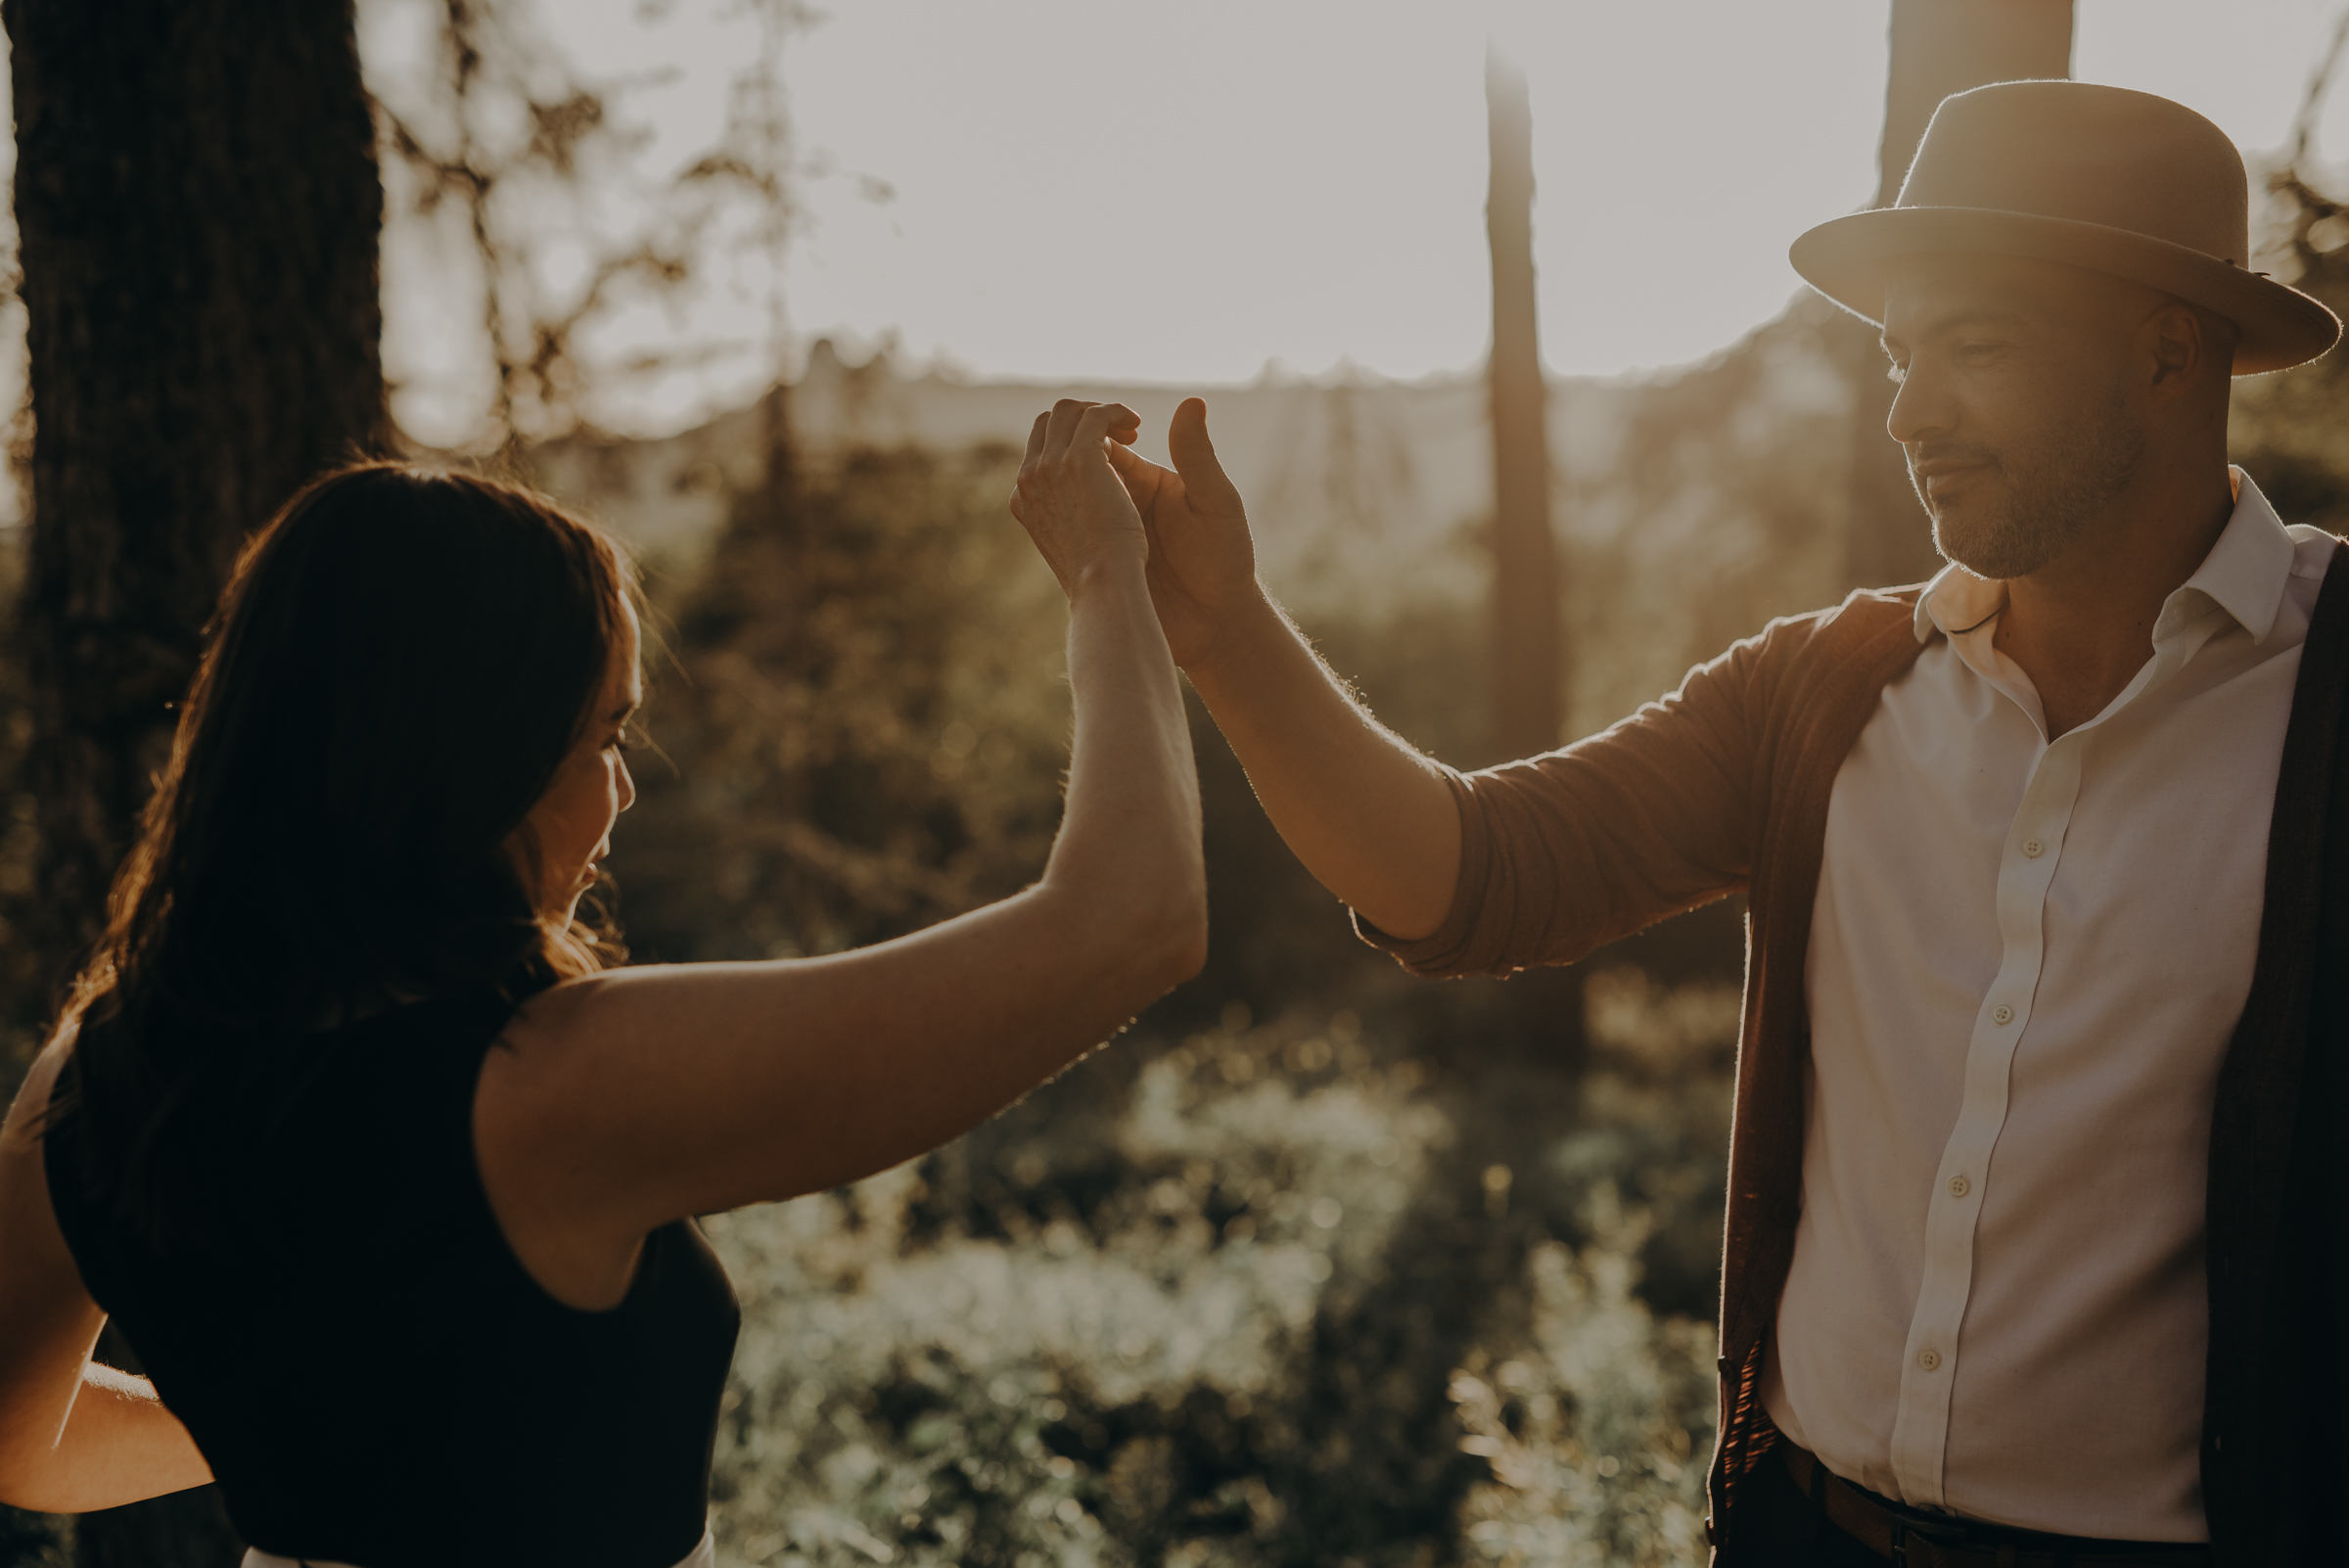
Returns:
(2016, 406)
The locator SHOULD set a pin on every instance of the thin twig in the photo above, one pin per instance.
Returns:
(2319, 84)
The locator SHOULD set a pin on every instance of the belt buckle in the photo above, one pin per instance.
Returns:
(1951, 1536)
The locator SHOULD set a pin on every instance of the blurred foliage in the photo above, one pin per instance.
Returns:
(1707, 502)
(2286, 430)
(1258, 1297)
(863, 720)
(36, 1540)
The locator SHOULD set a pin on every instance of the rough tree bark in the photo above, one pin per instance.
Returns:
(1939, 47)
(199, 201)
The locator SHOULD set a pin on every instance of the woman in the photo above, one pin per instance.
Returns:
(386, 1177)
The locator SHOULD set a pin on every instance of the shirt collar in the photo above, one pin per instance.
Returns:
(2244, 575)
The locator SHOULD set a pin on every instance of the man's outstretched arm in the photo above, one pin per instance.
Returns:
(1369, 816)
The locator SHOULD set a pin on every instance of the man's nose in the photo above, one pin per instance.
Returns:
(1918, 410)
(627, 786)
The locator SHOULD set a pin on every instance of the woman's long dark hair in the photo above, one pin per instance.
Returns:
(400, 661)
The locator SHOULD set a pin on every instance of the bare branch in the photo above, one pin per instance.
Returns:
(533, 156)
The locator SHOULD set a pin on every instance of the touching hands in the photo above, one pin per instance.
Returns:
(1202, 560)
(1188, 520)
(1066, 498)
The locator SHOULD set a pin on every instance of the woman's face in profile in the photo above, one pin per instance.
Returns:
(573, 820)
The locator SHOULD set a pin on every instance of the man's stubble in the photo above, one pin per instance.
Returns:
(2052, 488)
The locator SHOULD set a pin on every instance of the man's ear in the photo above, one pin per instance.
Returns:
(2176, 335)
(2189, 344)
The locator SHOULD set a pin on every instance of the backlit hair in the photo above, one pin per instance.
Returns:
(400, 661)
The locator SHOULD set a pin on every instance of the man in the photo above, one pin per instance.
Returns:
(2037, 1204)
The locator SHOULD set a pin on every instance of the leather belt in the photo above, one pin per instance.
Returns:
(1908, 1539)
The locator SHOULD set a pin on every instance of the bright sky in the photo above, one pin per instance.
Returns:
(1174, 193)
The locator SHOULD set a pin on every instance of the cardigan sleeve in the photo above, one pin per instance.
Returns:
(1564, 852)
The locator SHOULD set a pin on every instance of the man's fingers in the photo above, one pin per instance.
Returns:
(1036, 441)
(1141, 475)
(1202, 476)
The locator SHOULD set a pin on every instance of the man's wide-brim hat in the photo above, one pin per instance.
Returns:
(2115, 181)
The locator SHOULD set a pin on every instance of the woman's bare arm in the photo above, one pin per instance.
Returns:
(1372, 819)
(636, 1097)
(73, 1436)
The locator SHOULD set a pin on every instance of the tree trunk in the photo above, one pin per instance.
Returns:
(199, 203)
(1528, 657)
(1939, 47)
(1529, 648)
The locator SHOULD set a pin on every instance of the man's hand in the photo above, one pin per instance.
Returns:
(1066, 498)
(1202, 560)
(1370, 817)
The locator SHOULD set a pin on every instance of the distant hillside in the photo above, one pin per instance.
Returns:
(1693, 504)
(1336, 471)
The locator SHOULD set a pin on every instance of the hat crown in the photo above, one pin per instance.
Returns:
(2086, 154)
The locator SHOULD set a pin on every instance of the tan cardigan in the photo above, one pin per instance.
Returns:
(1722, 787)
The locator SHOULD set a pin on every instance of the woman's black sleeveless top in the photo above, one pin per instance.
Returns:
(374, 1376)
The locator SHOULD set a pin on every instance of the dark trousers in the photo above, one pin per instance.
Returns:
(1778, 1527)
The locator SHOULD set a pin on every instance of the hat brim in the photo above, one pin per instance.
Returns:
(1847, 259)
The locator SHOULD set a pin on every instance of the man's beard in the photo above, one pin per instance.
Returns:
(2051, 491)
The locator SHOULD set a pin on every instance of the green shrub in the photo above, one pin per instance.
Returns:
(1252, 1298)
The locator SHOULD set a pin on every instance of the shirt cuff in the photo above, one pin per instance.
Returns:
(1445, 950)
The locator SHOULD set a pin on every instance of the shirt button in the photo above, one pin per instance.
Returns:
(2002, 1014)
(2033, 848)
(1928, 1360)
(1959, 1187)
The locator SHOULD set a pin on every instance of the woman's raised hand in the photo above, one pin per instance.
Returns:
(1068, 498)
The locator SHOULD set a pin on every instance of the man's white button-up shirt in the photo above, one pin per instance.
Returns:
(2026, 961)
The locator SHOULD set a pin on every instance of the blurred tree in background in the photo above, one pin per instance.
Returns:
(197, 205)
